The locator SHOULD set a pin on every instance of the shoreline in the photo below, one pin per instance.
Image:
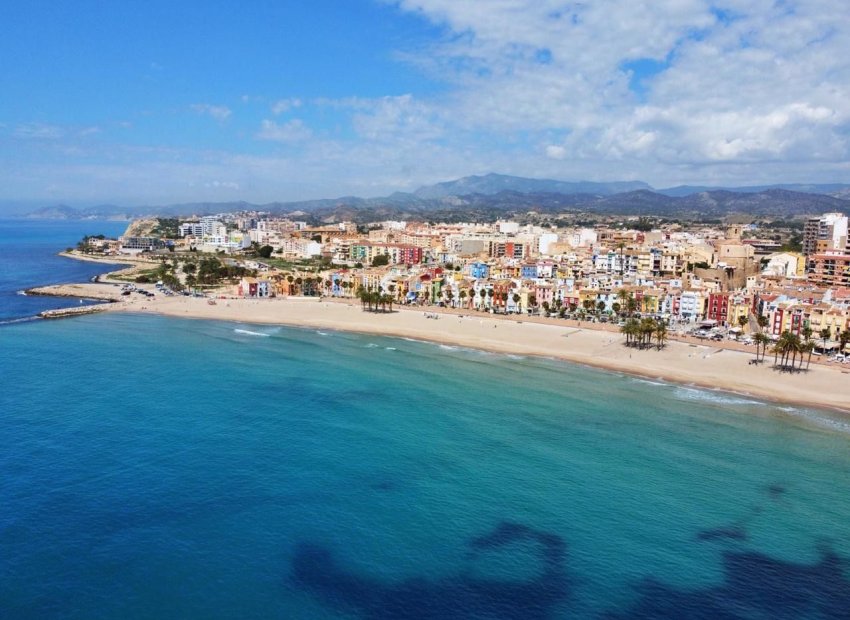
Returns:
(701, 366)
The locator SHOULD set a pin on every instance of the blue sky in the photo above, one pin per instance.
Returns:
(163, 102)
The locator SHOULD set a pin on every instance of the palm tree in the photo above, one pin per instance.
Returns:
(621, 246)
(462, 297)
(623, 295)
(742, 322)
(824, 335)
(777, 347)
(843, 339)
(647, 329)
(600, 307)
(762, 321)
(761, 340)
(808, 346)
(515, 298)
(660, 334)
(629, 329)
(787, 346)
(631, 306)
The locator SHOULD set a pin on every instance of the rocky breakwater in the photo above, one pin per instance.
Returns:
(63, 313)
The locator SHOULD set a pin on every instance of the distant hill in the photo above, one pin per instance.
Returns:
(835, 190)
(490, 184)
(494, 195)
(101, 212)
(57, 212)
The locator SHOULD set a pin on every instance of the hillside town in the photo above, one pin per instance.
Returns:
(722, 281)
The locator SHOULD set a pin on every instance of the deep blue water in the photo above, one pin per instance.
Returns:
(165, 468)
(28, 258)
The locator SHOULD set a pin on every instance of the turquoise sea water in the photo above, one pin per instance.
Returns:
(166, 468)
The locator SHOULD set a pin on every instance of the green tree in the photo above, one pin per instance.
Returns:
(265, 251)
(381, 260)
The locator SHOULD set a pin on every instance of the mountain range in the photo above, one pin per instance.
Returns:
(494, 195)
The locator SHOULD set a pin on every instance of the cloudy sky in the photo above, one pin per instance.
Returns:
(163, 102)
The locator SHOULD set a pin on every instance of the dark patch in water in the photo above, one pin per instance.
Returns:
(553, 549)
(460, 596)
(754, 586)
(776, 490)
(727, 532)
(384, 485)
(735, 531)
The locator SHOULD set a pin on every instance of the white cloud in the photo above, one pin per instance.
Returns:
(752, 83)
(739, 92)
(396, 118)
(284, 105)
(554, 151)
(218, 112)
(222, 185)
(291, 131)
(39, 131)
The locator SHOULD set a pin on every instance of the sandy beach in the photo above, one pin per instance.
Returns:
(704, 365)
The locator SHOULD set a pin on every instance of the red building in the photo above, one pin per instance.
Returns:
(503, 290)
(409, 254)
(718, 307)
